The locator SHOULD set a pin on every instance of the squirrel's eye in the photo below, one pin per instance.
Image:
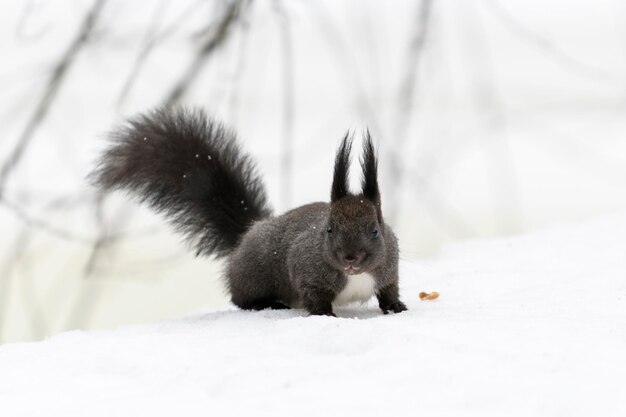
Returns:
(374, 233)
(329, 230)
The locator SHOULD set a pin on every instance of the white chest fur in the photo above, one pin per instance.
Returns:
(359, 288)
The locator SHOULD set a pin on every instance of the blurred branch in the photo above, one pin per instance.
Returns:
(65, 202)
(149, 42)
(346, 64)
(30, 298)
(100, 239)
(54, 84)
(507, 201)
(286, 159)
(22, 23)
(441, 210)
(6, 273)
(416, 48)
(242, 57)
(406, 98)
(43, 225)
(86, 302)
(58, 232)
(214, 40)
(547, 46)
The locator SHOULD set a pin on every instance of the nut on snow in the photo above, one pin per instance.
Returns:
(429, 295)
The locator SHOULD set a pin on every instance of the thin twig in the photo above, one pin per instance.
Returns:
(84, 306)
(547, 46)
(102, 236)
(286, 159)
(406, 98)
(54, 84)
(30, 298)
(22, 23)
(346, 64)
(219, 36)
(6, 273)
(149, 42)
(441, 210)
(242, 58)
(507, 201)
(416, 48)
(45, 226)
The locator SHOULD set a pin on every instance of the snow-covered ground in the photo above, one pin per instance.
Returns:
(532, 325)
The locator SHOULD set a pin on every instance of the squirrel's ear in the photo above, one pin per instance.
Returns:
(369, 165)
(342, 164)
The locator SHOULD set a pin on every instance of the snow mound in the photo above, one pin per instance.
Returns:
(533, 325)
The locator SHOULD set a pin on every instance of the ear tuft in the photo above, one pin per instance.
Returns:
(369, 183)
(369, 165)
(340, 186)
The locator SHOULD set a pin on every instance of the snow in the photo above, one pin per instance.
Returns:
(530, 325)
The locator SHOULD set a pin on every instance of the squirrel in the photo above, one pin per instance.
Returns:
(190, 168)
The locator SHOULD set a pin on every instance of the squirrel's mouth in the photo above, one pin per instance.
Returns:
(351, 269)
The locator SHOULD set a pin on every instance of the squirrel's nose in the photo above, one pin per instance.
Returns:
(350, 258)
(354, 257)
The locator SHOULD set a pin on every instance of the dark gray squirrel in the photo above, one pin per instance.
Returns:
(189, 167)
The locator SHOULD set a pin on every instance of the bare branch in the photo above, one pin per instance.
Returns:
(85, 304)
(102, 236)
(406, 97)
(54, 84)
(286, 158)
(547, 46)
(219, 36)
(43, 225)
(441, 210)
(60, 233)
(507, 200)
(242, 56)
(416, 48)
(152, 39)
(346, 64)
(22, 23)
(149, 42)
(6, 273)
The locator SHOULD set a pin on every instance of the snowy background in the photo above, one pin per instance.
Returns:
(493, 118)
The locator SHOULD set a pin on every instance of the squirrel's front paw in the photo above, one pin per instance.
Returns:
(397, 307)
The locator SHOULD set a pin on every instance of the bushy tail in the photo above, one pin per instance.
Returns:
(189, 167)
